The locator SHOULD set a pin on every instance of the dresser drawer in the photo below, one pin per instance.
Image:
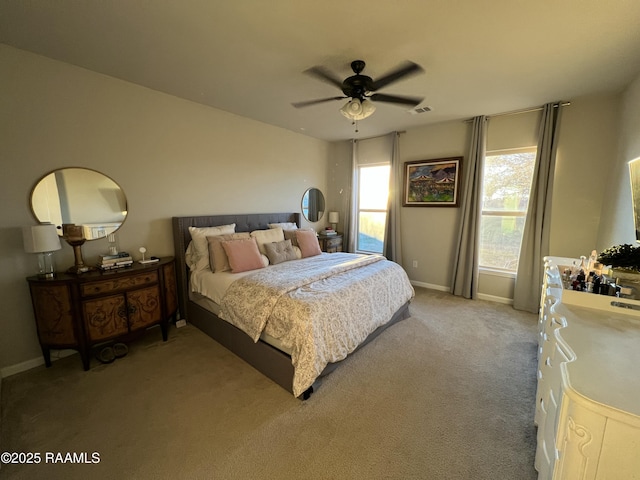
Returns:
(118, 284)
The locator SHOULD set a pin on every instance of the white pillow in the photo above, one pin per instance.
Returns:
(190, 256)
(267, 236)
(284, 225)
(200, 251)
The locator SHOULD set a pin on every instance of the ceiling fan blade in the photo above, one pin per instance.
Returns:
(324, 75)
(404, 70)
(315, 102)
(381, 97)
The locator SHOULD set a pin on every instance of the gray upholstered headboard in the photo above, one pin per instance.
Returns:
(244, 223)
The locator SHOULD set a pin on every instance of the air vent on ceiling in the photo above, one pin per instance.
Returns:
(415, 111)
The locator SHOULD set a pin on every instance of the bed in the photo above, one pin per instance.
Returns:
(276, 337)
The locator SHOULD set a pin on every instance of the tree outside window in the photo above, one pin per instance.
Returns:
(373, 195)
(506, 188)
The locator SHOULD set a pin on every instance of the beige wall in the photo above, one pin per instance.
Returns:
(172, 157)
(586, 155)
(617, 213)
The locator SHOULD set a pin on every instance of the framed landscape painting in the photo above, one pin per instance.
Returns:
(432, 183)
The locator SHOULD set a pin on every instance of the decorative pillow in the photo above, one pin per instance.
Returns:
(243, 254)
(218, 260)
(284, 225)
(279, 252)
(267, 236)
(199, 236)
(308, 243)
(291, 235)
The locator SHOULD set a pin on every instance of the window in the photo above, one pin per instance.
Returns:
(505, 197)
(373, 194)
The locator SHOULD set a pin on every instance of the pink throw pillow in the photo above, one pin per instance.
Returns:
(308, 243)
(243, 254)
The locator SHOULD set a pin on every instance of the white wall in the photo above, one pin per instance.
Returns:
(172, 157)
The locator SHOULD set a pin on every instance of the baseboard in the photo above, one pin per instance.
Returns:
(481, 296)
(432, 286)
(493, 298)
(33, 363)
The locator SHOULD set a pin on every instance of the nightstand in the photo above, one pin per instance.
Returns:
(80, 311)
(330, 243)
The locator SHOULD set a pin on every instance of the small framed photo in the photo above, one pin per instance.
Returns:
(432, 183)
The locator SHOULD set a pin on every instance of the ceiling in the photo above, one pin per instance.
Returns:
(247, 56)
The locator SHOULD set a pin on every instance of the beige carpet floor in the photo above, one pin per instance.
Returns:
(446, 394)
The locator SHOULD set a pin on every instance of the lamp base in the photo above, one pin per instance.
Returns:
(46, 265)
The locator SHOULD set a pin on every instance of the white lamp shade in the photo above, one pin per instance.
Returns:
(334, 217)
(41, 238)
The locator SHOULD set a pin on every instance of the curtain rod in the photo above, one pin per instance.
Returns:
(399, 132)
(517, 112)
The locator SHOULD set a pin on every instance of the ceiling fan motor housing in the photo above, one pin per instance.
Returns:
(357, 85)
(362, 87)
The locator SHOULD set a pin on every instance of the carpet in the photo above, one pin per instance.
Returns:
(448, 393)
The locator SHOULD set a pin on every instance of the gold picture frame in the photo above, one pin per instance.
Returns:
(432, 183)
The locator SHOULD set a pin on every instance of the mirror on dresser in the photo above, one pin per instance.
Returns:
(82, 197)
(313, 205)
(82, 203)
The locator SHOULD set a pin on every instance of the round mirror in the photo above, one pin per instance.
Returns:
(82, 197)
(313, 205)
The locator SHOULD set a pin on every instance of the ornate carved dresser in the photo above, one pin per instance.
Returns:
(80, 311)
(588, 394)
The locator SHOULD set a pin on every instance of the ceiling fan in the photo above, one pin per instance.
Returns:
(361, 89)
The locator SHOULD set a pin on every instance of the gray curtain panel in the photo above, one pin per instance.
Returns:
(392, 235)
(465, 266)
(535, 237)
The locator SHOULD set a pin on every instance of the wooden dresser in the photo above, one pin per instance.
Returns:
(80, 311)
(588, 395)
(330, 243)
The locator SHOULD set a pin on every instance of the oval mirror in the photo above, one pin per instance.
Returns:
(82, 197)
(313, 205)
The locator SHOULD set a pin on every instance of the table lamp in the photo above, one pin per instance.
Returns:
(334, 218)
(42, 239)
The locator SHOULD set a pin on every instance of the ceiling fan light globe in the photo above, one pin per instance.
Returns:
(356, 110)
(354, 106)
(367, 108)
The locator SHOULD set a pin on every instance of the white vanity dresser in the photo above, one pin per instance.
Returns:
(588, 394)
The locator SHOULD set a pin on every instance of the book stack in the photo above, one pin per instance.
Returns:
(329, 231)
(118, 260)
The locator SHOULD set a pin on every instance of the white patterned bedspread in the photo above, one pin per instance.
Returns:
(323, 306)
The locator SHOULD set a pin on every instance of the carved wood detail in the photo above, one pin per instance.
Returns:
(54, 318)
(119, 284)
(578, 438)
(105, 317)
(144, 307)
